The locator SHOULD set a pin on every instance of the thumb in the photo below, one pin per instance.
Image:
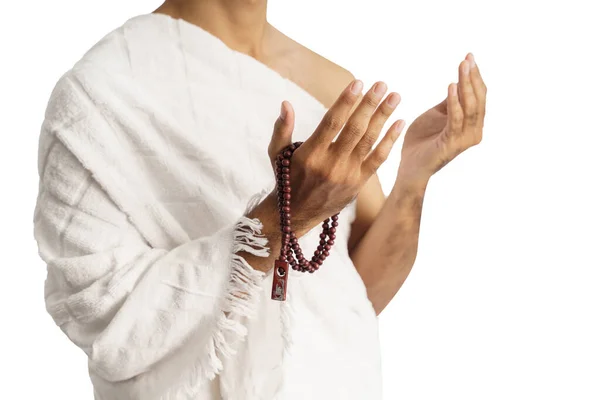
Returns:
(282, 131)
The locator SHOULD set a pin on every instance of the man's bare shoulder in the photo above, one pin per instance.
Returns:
(322, 78)
(329, 76)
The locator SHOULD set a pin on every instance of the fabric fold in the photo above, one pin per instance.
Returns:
(152, 152)
(156, 322)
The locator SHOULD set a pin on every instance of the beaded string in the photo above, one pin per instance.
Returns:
(289, 242)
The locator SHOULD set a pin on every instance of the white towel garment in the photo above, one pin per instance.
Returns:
(152, 150)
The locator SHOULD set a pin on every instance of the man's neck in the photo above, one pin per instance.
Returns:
(241, 24)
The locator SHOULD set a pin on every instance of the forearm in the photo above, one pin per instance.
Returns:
(386, 253)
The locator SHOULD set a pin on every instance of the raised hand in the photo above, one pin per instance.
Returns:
(441, 133)
(326, 175)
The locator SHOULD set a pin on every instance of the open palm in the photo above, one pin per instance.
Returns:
(441, 133)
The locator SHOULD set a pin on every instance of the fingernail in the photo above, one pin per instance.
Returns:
(283, 112)
(398, 129)
(356, 87)
(379, 88)
(472, 61)
(466, 67)
(393, 100)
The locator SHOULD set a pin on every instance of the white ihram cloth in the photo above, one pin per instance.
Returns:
(152, 150)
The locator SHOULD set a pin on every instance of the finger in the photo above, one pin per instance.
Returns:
(359, 120)
(479, 86)
(442, 106)
(455, 112)
(379, 118)
(466, 95)
(335, 118)
(382, 150)
(282, 131)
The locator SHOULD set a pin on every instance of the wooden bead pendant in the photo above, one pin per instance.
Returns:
(291, 254)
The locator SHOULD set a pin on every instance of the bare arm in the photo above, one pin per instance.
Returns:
(386, 253)
(369, 203)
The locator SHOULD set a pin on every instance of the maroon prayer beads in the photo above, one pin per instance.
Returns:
(289, 242)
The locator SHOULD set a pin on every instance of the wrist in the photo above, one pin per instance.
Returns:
(266, 213)
(409, 181)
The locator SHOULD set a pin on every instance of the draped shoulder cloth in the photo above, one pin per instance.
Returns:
(152, 151)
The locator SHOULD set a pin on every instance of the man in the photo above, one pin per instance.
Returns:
(151, 146)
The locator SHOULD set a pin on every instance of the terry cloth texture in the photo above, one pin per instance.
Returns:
(152, 151)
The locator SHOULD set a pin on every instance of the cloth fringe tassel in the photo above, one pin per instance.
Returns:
(243, 290)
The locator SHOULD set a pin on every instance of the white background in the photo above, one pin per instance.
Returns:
(503, 301)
